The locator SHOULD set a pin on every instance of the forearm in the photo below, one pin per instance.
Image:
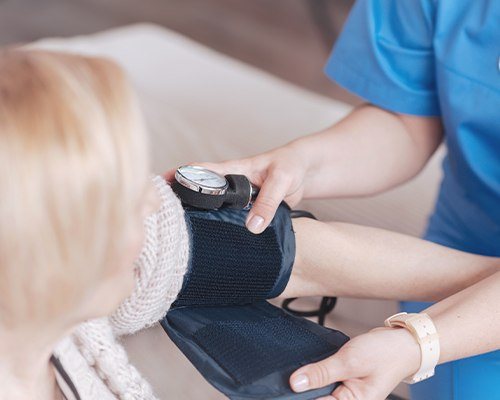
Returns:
(468, 323)
(372, 364)
(367, 152)
(338, 259)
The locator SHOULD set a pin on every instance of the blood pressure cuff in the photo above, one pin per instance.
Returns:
(244, 346)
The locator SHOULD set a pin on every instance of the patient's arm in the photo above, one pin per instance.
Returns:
(339, 259)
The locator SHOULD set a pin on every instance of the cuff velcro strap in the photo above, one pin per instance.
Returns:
(230, 265)
(244, 346)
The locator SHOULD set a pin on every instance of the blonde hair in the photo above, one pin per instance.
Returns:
(73, 164)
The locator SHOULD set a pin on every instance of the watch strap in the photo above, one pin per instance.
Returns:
(424, 331)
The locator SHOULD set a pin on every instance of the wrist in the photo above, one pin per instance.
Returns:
(425, 334)
(305, 155)
(320, 167)
(407, 355)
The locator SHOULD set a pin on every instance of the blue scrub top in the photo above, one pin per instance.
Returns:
(437, 58)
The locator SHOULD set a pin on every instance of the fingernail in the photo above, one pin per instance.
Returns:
(300, 383)
(255, 224)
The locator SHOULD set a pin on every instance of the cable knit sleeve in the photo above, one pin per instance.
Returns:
(160, 268)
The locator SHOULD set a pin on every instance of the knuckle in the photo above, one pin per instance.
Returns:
(350, 361)
(353, 396)
(267, 206)
(228, 165)
(280, 174)
(321, 375)
(346, 393)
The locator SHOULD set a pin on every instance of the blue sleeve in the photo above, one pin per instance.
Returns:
(385, 55)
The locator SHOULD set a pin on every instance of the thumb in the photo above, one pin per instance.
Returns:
(320, 374)
(271, 194)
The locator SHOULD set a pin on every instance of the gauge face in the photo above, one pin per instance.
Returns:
(202, 176)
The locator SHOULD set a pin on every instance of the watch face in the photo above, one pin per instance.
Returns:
(202, 177)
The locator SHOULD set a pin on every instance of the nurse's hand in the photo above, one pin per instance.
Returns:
(278, 173)
(369, 366)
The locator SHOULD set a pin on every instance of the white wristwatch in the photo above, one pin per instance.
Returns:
(423, 330)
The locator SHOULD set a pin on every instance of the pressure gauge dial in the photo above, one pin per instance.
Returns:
(201, 180)
(202, 188)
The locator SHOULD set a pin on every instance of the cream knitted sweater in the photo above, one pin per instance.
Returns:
(92, 356)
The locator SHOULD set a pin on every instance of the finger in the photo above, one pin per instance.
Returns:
(271, 194)
(253, 168)
(344, 393)
(226, 167)
(170, 175)
(320, 374)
